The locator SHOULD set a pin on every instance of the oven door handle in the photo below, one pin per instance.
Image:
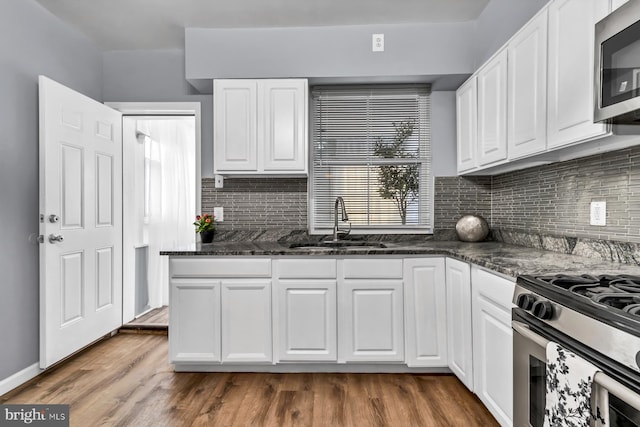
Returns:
(603, 380)
(523, 330)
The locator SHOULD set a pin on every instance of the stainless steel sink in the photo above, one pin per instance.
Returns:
(338, 244)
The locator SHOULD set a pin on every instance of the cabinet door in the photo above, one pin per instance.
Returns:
(370, 321)
(425, 312)
(527, 104)
(235, 125)
(194, 321)
(571, 80)
(492, 110)
(306, 320)
(467, 124)
(459, 336)
(246, 321)
(284, 130)
(493, 343)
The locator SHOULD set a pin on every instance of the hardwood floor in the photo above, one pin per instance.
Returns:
(158, 318)
(127, 381)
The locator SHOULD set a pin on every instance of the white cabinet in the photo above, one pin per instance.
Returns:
(195, 321)
(617, 3)
(492, 343)
(260, 126)
(425, 314)
(459, 332)
(305, 315)
(235, 125)
(492, 110)
(571, 79)
(246, 321)
(371, 321)
(527, 103)
(467, 124)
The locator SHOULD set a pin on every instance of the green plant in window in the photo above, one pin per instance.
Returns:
(398, 182)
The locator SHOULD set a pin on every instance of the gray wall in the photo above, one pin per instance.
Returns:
(32, 42)
(498, 22)
(415, 49)
(443, 133)
(157, 76)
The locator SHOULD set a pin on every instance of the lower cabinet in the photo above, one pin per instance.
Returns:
(306, 320)
(459, 332)
(371, 321)
(493, 343)
(425, 313)
(246, 321)
(194, 314)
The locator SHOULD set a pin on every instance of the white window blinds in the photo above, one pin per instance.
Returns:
(371, 146)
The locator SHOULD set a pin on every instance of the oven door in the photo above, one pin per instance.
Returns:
(618, 403)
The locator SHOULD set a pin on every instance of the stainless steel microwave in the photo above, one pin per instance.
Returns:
(617, 66)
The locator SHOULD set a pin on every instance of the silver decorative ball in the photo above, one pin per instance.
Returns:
(472, 228)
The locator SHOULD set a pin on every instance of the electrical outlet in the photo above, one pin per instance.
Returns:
(218, 181)
(218, 213)
(598, 213)
(377, 43)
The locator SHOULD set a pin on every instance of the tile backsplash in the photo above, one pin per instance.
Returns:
(258, 203)
(550, 200)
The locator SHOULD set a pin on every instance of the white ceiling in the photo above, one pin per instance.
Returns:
(159, 24)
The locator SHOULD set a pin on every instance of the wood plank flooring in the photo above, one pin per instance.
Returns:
(127, 381)
(158, 318)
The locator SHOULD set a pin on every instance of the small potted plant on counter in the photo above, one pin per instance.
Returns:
(206, 226)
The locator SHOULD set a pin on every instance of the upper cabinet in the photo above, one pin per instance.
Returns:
(260, 127)
(492, 109)
(571, 52)
(532, 102)
(467, 130)
(527, 77)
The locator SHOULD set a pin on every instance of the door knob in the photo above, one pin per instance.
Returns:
(55, 238)
(54, 218)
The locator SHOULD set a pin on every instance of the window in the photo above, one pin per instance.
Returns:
(370, 145)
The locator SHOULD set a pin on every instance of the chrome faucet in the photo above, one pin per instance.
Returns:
(344, 218)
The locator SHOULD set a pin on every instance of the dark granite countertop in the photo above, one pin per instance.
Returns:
(506, 259)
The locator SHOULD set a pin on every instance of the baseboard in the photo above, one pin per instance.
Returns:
(19, 378)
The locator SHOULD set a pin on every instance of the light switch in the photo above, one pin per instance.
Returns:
(599, 213)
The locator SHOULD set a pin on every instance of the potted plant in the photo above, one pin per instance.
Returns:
(205, 225)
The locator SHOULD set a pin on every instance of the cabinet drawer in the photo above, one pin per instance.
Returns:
(220, 267)
(306, 269)
(373, 268)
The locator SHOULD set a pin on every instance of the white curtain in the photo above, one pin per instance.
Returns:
(170, 199)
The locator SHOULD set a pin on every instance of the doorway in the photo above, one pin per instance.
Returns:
(161, 196)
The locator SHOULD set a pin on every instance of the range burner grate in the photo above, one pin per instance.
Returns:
(621, 292)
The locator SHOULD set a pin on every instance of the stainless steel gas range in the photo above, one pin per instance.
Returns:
(595, 317)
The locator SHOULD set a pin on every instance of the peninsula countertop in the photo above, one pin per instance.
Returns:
(506, 259)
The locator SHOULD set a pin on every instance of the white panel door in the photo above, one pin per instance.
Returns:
(467, 124)
(425, 312)
(194, 320)
(306, 320)
(571, 80)
(246, 321)
(284, 119)
(370, 321)
(459, 332)
(235, 125)
(492, 110)
(81, 221)
(493, 343)
(527, 77)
